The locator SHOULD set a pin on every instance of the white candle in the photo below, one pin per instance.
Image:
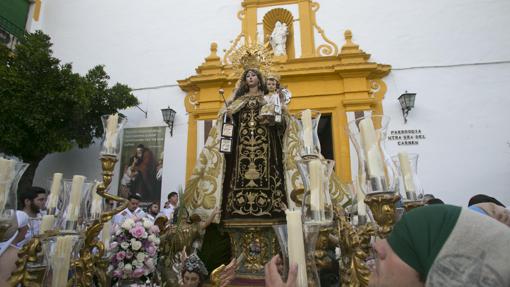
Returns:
(47, 223)
(106, 234)
(111, 130)
(97, 202)
(360, 197)
(370, 144)
(7, 167)
(73, 208)
(316, 174)
(61, 260)
(296, 245)
(54, 191)
(407, 172)
(306, 118)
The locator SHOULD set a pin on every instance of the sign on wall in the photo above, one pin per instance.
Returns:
(142, 163)
(406, 137)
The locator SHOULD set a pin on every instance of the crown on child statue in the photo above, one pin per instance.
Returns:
(194, 264)
(273, 76)
(251, 56)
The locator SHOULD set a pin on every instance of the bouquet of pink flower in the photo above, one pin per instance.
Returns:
(134, 249)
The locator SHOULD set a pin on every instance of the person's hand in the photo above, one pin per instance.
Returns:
(228, 274)
(273, 278)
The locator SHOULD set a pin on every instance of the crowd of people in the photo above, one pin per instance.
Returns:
(435, 245)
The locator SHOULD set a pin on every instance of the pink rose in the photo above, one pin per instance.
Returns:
(114, 245)
(120, 255)
(117, 273)
(151, 250)
(154, 229)
(149, 262)
(139, 272)
(129, 254)
(137, 231)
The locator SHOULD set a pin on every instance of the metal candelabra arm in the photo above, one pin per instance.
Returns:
(91, 262)
(354, 244)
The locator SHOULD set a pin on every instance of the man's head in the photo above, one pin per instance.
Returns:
(134, 201)
(33, 200)
(390, 270)
(173, 198)
(153, 208)
(427, 197)
(481, 198)
(434, 201)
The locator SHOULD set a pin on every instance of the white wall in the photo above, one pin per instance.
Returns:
(460, 109)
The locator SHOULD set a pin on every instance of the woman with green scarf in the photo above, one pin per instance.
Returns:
(443, 245)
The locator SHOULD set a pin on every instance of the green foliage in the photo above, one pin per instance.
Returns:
(45, 107)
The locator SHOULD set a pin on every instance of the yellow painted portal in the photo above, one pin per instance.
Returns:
(324, 78)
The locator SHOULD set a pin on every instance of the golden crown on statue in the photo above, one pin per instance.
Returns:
(251, 56)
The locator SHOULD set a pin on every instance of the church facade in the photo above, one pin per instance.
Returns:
(342, 58)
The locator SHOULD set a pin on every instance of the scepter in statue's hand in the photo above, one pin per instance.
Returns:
(222, 93)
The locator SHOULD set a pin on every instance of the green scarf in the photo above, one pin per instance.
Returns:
(419, 236)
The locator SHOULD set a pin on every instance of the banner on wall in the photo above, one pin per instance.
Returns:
(142, 163)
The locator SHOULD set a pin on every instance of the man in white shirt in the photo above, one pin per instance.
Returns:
(171, 205)
(33, 201)
(132, 209)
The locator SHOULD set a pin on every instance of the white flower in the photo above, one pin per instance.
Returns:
(120, 265)
(136, 245)
(147, 223)
(152, 238)
(140, 256)
(157, 241)
(118, 232)
(137, 264)
(128, 267)
(128, 224)
(124, 245)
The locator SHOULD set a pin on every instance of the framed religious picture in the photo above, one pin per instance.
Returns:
(142, 163)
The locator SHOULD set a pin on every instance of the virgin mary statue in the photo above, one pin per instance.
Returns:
(254, 182)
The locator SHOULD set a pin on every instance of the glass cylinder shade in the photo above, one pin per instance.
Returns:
(409, 186)
(281, 234)
(112, 126)
(310, 235)
(317, 207)
(76, 193)
(95, 204)
(11, 170)
(308, 122)
(376, 170)
(59, 253)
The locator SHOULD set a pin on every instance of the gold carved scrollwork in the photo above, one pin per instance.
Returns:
(374, 88)
(354, 243)
(383, 207)
(228, 53)
(291, 146)
(325, 49)
(241, 14)
(255, 247)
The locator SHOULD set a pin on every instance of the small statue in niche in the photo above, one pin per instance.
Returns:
(278, 38)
